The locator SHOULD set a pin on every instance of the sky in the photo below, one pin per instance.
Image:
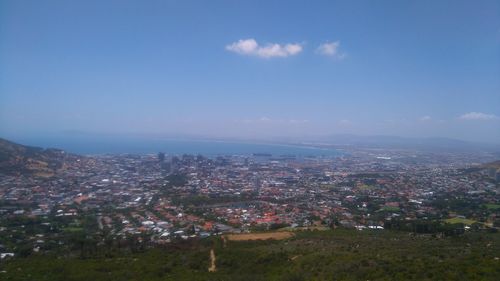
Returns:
(250, 69)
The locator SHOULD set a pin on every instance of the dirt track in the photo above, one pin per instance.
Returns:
(212, 267)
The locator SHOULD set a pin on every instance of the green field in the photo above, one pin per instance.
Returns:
(310, 255)
(492, 206)
(460, 220)
(389, 209)
(73, 229)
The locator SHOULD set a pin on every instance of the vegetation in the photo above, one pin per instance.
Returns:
(339, 254)
(390, 209)
(492, 206)
(176, 180)
(18, 159)
(201, 200)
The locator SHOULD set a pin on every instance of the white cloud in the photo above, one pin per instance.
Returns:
(271, 121)
(300, 121)
(331, 49)
(345, 122)
(250, 47)
(425, 118)
(478, 116)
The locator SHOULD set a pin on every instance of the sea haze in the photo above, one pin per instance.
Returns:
(84, 145)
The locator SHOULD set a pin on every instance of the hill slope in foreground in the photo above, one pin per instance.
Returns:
(313, 255)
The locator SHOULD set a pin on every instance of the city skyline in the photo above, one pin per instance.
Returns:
(251, 69)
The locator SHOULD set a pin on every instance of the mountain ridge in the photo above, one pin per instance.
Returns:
(17, 159)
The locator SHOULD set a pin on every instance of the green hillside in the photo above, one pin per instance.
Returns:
(313, 255)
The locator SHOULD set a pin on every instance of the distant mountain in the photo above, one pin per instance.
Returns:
(16, 159)
(495, 165)
(380, 141)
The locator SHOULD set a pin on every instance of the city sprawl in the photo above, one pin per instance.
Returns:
(143, 200)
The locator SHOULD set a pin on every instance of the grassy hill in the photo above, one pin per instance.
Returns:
(20, 159)
(495, 165)
(310, 255)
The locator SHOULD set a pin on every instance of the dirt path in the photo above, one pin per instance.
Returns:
(212, 267)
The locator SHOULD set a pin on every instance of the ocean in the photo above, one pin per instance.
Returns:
(89, 146)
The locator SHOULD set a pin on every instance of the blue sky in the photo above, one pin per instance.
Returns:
(251, 69)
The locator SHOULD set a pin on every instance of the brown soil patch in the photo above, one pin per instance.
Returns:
(259, 236)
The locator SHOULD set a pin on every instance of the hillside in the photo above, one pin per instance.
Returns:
(395, 142)
(339, 254)
(18, 159)
(495, 165)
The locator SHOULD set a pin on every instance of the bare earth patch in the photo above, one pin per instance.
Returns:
(259, 236)
(212, 267)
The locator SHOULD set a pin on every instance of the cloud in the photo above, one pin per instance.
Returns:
(267, 120)
(300, 121)
(425, 118)
(250, 47)
(478, 116)
(345, 122)
(331, 49)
